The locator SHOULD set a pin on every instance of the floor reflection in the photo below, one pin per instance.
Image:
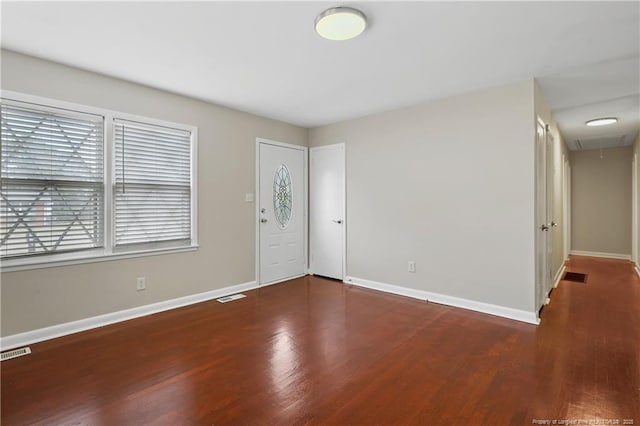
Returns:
(284, 366)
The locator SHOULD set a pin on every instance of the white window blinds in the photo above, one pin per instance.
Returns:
(52, 180)
(152, 188)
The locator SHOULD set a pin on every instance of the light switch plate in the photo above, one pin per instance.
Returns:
(248, 197)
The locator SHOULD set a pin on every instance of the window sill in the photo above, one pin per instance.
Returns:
(15, 265)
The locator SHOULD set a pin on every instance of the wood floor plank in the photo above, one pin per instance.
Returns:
(315, 351)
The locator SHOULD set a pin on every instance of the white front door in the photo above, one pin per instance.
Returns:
(281, 211)
(327, 210)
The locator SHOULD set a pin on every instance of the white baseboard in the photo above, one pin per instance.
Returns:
(638, 269)
(601, 254)
(59, 330)
(501, 311)
(558, 276)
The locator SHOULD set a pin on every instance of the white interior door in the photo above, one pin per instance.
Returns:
(566, 199)
(542, 225)
(635, 256)
(281, 212)
(550, 166)
(327, 210)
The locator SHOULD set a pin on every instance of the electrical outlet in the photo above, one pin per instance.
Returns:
(141, 283)
(411, 267)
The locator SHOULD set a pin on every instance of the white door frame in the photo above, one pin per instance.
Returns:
(305, 231)
(344, 207)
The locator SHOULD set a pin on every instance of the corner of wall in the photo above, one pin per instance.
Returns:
(542, 110)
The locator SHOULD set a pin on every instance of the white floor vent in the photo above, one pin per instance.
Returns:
(15, 353)
(230, 298)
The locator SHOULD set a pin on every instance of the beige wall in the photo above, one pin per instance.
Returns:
(226, 171)
(601, 200)
(449, 184)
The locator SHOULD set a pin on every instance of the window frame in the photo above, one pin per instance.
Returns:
(108, 251)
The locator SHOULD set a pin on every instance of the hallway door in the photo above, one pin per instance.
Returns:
(551, 220)
(542, 240)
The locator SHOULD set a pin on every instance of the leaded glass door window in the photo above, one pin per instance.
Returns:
(282, 196)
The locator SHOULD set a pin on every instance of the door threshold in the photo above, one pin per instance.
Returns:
(293, 277)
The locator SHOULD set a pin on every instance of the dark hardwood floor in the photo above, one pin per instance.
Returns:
(314, 351)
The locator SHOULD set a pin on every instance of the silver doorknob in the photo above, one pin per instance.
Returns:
(338, 221)
(263, 220)
(554, 224)
(544, 228)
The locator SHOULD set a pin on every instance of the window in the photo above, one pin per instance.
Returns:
(55, 206)
(52, 181)
(152, 184)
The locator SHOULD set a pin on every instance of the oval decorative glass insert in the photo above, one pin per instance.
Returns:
(282, 196)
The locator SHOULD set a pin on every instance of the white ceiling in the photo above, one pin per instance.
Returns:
(265, 58)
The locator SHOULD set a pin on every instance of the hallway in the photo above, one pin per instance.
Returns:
(588, 345)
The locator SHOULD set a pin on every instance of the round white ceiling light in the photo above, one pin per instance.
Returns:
(601, 121)
(341, 23)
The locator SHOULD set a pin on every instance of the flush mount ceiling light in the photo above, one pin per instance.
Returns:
(340, 23)
(601, 121)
